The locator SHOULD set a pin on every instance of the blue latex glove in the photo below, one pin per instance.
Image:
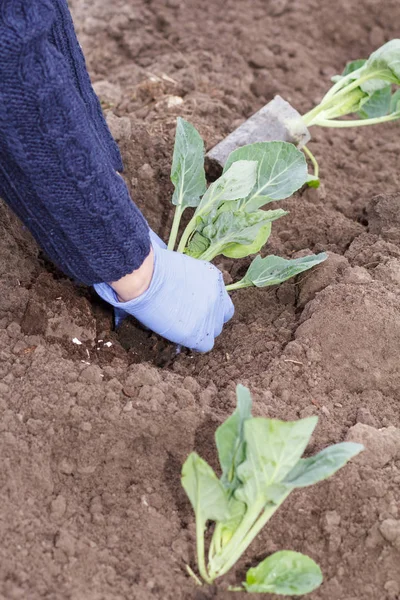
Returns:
(155, 240)
(186, 302)
(119, 313)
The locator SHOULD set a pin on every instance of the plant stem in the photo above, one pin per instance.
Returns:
(193, 575)
(212, 551)
(187, 233)
(357, 122)
(239, 549)
(314, 161)
(175, 227)
(200, 528)
(235, 544)
(215, 546)
(233, 588)
(218, 540)
(210, 253)
(338, 85)
(238, 285)
(309, 117)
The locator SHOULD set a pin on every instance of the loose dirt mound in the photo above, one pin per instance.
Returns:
(93, 438)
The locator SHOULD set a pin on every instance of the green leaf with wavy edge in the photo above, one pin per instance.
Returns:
(229, 438)
(235, 183)
(281, 171)
(206, 493)
(377, 105)
(384, 65)
(257, 202)
(197, 245)
(321, 466)
(237, 232)
(273, 448)
(395, 102)
(285, 573)
(239, 228)
(351, 66)
(187, 172)
(243, 250)
(273, 270)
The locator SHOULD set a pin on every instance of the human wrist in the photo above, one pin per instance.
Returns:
(135, 284)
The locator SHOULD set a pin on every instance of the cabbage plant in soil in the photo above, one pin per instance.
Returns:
(366, 88)
(229, 219)
(261, 465)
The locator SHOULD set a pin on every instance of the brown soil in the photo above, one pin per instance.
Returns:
(93, 436)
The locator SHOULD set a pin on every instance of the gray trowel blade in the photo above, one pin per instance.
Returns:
(276, 121)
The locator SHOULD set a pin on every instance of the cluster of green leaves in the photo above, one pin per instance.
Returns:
(381, 102)
(261, 464)
(364, 88)
(229, 219)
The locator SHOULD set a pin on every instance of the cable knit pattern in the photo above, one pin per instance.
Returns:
(57, 159)
(64, 38)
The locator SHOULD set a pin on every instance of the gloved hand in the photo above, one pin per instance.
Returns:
(186, 301)
(155, 239)
(119, 313)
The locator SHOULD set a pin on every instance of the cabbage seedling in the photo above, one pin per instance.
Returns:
(228, 219)
(364, 88)
(261, 464)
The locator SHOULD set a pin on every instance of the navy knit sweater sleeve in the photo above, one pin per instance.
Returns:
(58, 160)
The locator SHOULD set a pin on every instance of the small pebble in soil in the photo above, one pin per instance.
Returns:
(65, 542)
(390, 529)
(364, 416)
(66, 466)
(91, 374)
(393, 589)
(58, 507)
(14, 330)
